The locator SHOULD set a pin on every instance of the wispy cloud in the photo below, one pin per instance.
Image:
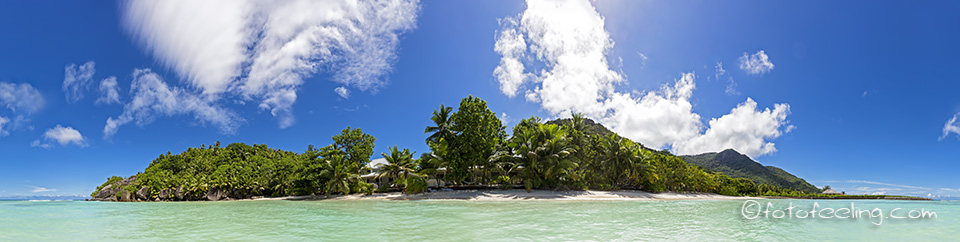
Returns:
(152, 97)
(951, 126)
(76, 80)
(3, 123)
(718, 70)
(37, 189)
(643, 59)
(264, 50)
(881, 188)
(571, 74)
(109, 91)
(21, 97)
(342, 91)
(757, 63)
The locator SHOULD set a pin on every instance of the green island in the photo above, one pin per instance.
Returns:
(469, 150)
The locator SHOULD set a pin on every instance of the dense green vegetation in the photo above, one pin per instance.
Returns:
(734, 164)
(468, 148)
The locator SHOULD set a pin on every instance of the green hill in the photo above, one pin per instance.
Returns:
(591, 126)
(729, 162)
(734, 164)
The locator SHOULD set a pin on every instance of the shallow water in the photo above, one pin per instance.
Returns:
(454, 220)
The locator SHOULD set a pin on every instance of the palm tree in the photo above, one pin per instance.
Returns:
(625, 161)
(577, 122)
(441, 117)
(400, 165)
(541, 153)
(556, 155)
(339, 174)
(431, 164)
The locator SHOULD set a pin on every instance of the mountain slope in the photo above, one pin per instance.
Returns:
(734, 164)
(591, 127)
(729, 162)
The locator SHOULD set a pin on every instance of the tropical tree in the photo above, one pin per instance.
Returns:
(400, 165)
(339, 173)
(440, 118)
(433, 163)
(356, 146)
(479, 131)
(541, 154)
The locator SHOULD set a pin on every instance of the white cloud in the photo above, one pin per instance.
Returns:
(757, 63)
(874, 187)
(511, 46)
(37, 143)
(109, 91)
(568, 39)
(3, 123)
(204, 41)
(342, 91)
(570, 44)
(951, 126)
(61, 135)
(643, 59)
(20, 97)
(42, 189)
(263, 50)
(731, 88)
(718, 71)
(76, 80)
(656, 119)
(744, 129)
(152, 97)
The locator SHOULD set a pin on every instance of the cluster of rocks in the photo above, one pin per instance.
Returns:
(116, 193)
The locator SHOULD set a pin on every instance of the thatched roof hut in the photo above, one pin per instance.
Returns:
(830, 191)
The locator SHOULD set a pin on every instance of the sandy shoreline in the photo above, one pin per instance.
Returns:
(509, 195)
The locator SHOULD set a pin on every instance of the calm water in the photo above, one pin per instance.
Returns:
(461, 221)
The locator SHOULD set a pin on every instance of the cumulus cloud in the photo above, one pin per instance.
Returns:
(263, 50)
(109, 91)
(757, 63)
(555, 52)
(61, 135)
(76, 80)
(20, 97)
(951, 126)
(745, 128)
(152, 97)
(511, 46)
(656, 119)
(568, 39)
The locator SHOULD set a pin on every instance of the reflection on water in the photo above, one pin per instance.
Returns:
(457, 220)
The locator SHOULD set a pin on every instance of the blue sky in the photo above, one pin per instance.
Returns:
(856, 96)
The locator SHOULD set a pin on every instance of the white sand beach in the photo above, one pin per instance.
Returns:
(505, 195)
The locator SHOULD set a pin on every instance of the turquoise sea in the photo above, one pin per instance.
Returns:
(455, 220)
